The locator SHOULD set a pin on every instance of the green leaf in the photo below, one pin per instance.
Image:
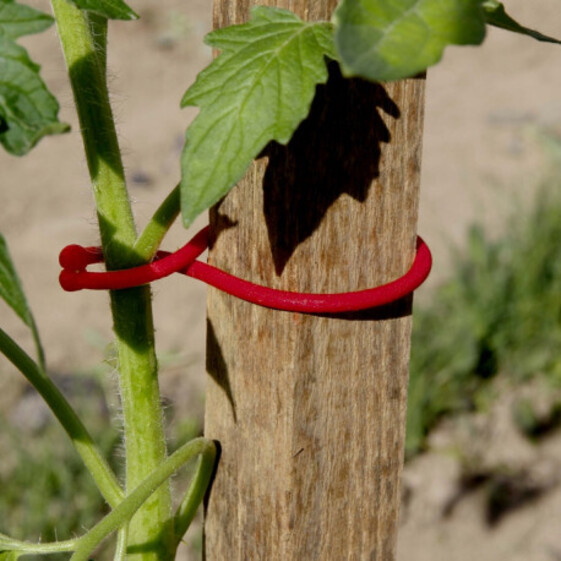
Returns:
(393, 39)
(28, 111)
(17, 20)
(11, 291)
(496, 15)
(110, 9)
(10, 286)
(259, 89)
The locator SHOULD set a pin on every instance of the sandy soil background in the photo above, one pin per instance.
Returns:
(486, 109)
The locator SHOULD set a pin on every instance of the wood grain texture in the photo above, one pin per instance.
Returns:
(309, 411)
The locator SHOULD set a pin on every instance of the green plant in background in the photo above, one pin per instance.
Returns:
(46, 491)
(499, 315)
(242, 110)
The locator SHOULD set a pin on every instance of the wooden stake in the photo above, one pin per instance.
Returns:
(310, 411)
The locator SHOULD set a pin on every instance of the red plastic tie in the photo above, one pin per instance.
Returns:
(74, 260)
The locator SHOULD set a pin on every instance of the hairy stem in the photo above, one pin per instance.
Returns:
(151, 237)
(83, 40)
(119, 515)
(195, 492)
(9, 544)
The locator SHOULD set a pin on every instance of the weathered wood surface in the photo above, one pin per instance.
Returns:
(310, 411)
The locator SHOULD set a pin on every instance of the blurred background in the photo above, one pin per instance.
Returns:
(483, 472)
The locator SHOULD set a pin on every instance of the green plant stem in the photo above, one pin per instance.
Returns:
(119, 517)
(38, 344)
(9, 544)
(151, 237)
(194, 494)
(121, 546)
(83, 42)
(133, 502)
(150, 532)
(93, 459)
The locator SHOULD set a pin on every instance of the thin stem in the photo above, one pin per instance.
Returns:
(85, 55)
(118, 518)
(151, 237)
(195, 494)
(121, 546)
(94, 461)
(126, 510)
(9, 544)
(37, 341)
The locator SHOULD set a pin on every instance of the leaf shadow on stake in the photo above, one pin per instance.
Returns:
(297, 191)
(216, 366)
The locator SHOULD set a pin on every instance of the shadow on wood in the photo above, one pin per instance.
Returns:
(216, 366)
(298, 191)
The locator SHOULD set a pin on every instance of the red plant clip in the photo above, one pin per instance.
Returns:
(74, 260)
